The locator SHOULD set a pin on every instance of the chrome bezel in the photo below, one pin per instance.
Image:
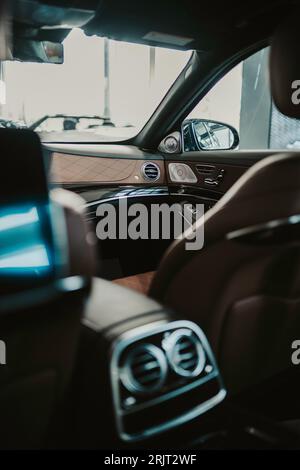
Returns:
(170, 348)
(146, 178)
(189, 176)
(164, 148)
(127, 377)
(167, 148)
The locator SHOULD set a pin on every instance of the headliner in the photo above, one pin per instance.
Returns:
(207, 24)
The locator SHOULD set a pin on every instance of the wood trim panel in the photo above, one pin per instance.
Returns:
(69, 168)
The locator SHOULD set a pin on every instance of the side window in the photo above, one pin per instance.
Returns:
(241, 102)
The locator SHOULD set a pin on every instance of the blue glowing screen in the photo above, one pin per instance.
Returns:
(23, 248)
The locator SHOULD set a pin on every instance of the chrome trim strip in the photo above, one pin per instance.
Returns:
(270, 225)
(130, 196)
(141, 333)
(114, 198)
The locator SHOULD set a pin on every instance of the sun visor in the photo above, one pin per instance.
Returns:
(165, 25)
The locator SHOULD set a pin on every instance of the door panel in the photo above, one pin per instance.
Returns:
(105, 173)
(231, 157)
(216, 177)
(214, 171)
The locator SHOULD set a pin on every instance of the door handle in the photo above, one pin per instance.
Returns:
(215, 181)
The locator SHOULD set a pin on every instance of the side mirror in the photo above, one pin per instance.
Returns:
(28, 50)
(203, 134)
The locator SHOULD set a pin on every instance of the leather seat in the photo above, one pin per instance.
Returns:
(243, 287)
(40, 324)
(138, 282)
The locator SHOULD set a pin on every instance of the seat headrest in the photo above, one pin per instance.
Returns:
(42, 238)
(285, 67)
(23, 174)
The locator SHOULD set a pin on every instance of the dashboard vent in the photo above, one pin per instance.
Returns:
(185, 353)
(145, 369)
(150, 171)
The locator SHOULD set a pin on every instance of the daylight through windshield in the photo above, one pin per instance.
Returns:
(104, 91)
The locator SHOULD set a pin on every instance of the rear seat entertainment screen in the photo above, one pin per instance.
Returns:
(23, 249)
(26, 237)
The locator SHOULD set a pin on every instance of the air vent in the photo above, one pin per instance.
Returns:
(205, 169)
(145, 369)
(162, 374)
(185, 353)
(150, 171)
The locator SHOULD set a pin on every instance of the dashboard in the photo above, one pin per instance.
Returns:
(108, 172)
(76, 165)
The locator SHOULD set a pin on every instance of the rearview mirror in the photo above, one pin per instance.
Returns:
(203, 134)
(28, 50)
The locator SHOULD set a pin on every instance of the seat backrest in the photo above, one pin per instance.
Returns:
(243, 287)
(39, 310)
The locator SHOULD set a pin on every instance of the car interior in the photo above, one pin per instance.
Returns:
(120, 343)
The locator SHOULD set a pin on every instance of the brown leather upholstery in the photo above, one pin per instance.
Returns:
(285, 65)
(246, 296)
(138, 282)
(81, 239)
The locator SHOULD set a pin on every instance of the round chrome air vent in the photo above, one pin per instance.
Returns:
(145, 369)
(150, 171)
(185, 353)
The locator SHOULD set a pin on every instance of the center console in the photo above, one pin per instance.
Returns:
(147, 379)
(163, 374)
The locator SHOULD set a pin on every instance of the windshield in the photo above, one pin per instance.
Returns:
(104, 91)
